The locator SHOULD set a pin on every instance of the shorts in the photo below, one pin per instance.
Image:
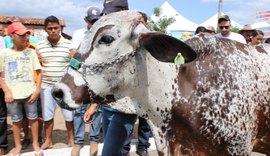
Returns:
(39, 110)
(16, 110)
(49, 105)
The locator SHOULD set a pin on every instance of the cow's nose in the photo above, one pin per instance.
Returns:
(58, 94)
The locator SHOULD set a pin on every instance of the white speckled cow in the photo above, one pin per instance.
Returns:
(217, 104)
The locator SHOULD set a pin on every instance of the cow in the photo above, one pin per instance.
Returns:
(215, 104)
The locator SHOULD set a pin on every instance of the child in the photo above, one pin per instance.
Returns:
(256, 37)
(17, 82)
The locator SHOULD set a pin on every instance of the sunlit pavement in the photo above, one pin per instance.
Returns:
(85, 150)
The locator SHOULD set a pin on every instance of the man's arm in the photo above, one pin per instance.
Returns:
(72, 52)
(88, 115)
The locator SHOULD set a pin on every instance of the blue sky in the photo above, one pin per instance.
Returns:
(73, 11)
(194, 10)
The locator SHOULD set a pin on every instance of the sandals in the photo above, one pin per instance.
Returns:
(39, 153)
(45, 148)
(18, 154)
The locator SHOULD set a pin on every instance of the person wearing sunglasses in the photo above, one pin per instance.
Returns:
(224, 25)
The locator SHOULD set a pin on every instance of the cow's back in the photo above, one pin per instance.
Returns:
(224, 93)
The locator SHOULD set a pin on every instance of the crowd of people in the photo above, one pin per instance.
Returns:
(246, 35)
(36, 107)
(26, 96)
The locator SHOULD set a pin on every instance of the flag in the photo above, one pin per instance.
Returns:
(263, 15)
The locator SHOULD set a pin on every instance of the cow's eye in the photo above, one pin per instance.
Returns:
(106, 40)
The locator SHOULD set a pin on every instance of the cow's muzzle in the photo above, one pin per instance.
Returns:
(58, 96)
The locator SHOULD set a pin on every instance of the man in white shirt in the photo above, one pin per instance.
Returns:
(224, 24)
(93, 14)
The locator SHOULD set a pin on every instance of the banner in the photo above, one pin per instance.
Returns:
(263, 16)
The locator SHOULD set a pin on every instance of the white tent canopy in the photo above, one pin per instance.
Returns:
(180, 24)
(212, 21)
(167, 10)
(259, 25)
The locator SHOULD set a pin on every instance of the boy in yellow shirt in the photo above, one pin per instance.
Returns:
(16, 66)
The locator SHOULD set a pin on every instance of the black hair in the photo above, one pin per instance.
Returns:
(257, 32)
(143, 15)
(51, 19)
(267, 40)
(200, 29)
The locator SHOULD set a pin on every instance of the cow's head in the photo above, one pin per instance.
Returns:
(109, 59)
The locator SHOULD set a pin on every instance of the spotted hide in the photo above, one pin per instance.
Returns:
(216, 104)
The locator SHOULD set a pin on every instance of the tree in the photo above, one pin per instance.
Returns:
(161, 23)
(235, 29)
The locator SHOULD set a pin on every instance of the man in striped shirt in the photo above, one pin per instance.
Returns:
(54, 53)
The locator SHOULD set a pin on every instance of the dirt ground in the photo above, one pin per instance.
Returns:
(60, 137)
(59, 134)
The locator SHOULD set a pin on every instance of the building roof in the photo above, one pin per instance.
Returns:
(36, 23)
(27, 20)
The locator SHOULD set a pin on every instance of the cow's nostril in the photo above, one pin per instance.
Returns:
(58, 93)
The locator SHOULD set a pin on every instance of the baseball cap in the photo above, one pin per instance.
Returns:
(18, 28)
(223, 18)
(93, 14)
(114, 6)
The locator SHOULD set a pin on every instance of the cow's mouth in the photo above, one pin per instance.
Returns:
(58, 95)
(63, 105)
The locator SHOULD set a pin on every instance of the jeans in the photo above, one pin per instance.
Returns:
(116, 127)
(144, 133)
(3, 121)
(79, 126)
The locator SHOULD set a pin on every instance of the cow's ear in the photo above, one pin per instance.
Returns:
(165, 48)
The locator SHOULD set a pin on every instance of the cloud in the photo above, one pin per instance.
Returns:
(246, 12)
(242, 11)
(72, 11)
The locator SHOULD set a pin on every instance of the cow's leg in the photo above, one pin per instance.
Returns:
(175, 149)
(160, 140)
(262, 142)
(161, 144)
(263, 145)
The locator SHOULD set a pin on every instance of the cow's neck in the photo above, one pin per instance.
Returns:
(159, 79)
